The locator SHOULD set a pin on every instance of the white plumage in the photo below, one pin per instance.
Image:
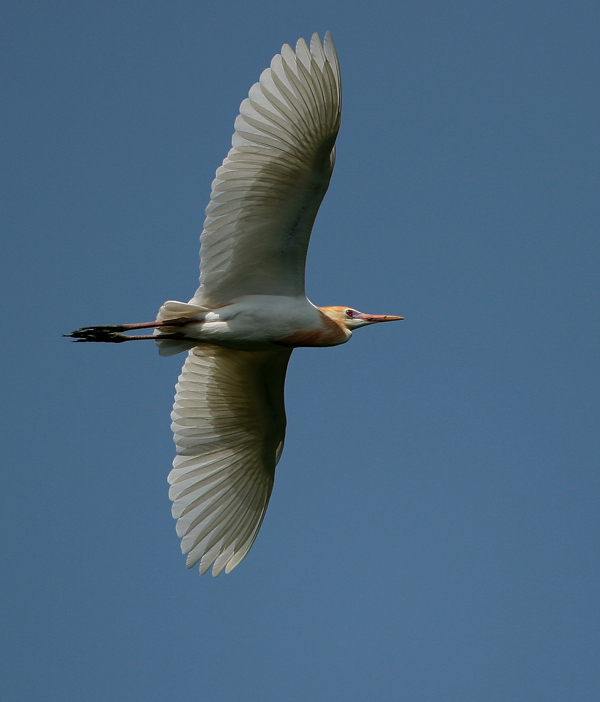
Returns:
(229, 426)
(266, 194)
(250, 310)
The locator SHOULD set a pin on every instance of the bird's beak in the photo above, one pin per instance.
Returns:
(372, 318)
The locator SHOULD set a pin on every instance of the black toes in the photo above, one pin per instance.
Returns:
(108, 334)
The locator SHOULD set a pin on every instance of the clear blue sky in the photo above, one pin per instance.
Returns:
(433, 534)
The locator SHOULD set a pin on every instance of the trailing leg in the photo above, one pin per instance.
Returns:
(112, 333)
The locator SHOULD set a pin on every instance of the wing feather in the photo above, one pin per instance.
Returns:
(267, 192)
(229, 427)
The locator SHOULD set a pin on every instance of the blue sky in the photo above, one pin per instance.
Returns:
(433, 533)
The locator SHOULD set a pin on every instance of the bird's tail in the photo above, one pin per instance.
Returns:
(175, 310)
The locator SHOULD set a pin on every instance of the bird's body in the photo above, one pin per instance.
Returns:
(254, 323)
(251, 309)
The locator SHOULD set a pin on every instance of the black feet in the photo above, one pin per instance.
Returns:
(108, 334)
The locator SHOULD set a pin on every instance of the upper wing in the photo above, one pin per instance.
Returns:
(266, 194)
(229, 424)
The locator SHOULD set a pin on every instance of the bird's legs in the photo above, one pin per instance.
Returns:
(112, 333)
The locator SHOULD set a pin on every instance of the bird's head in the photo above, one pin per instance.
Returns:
(351, 319)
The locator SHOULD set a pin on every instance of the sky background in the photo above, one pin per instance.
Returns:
(433, 533)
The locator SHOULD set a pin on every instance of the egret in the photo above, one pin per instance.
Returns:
(250, 310)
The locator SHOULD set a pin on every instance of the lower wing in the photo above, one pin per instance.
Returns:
(229, 425)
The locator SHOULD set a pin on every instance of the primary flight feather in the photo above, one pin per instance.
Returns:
(250, 310)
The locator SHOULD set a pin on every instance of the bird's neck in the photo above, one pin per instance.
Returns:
(327, 332)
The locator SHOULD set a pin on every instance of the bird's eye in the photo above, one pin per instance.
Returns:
(350, 313)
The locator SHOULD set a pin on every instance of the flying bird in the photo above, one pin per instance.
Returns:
(250, 310)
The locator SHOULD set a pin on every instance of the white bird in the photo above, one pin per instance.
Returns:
(250, 310)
